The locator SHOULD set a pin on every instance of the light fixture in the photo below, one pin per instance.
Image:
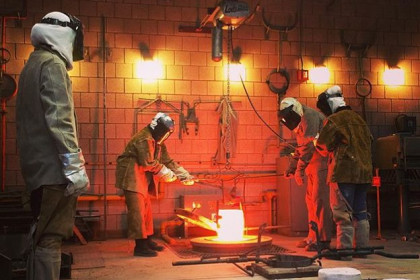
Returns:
(236, 72)
(394, 76)
(319, 75)
(149, 70)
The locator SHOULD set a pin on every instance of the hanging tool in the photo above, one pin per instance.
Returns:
(158, 102)
(282, 72)
(190, 118)
(363, 86)
(228, 122)
(228, 118)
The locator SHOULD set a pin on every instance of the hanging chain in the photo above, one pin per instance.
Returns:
(227, 99)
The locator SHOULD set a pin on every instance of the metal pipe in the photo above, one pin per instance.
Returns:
(267, 227)
(217, 42)
(3, 113)
(112, 197)
(104, 85)
(235, 172)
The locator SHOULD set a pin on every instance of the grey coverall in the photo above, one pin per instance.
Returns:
(310, 162)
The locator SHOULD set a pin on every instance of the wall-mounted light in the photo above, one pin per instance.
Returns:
(394, 76)
(149, 70)
(236, 72)
(319, 75)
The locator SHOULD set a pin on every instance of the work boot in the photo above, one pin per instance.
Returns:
(153, 245)
(361, 238)
(313, 247)
(44, 263)
(142, 249)
(345, 240)
(303, 243)
(361, 233)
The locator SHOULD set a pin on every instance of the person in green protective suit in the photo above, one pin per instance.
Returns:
(51, 160)
(346, 139)
(144, 163)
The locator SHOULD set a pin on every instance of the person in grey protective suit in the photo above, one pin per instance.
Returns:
(144, 163)
(306, 123)
(346, 138)
(51, 160)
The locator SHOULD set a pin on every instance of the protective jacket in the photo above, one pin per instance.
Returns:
(141, 161)
(45, 119)
(346, 135)
(305, 153)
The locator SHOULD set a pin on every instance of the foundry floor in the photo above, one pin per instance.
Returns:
(113, 260)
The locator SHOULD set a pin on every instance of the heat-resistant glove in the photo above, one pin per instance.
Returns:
(184, 176)
(288, 174)
(299, 175)
(188, 181)
(166, 175)
(75, 172)
(291, 169)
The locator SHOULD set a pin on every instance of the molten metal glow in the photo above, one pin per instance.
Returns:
(231, 225)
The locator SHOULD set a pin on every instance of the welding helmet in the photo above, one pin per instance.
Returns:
(58, 18)
(290, 113)
(162, 127)
(330, 100)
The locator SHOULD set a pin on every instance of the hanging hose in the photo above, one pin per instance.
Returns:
(280, 91)
(259, 116)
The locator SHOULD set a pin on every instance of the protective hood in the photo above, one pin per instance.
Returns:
(161, 126)
(62, 33)
(290, 113)
(330, 100)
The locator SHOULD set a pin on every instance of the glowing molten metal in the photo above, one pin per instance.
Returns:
(231, 225)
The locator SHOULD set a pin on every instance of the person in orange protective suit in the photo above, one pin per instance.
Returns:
(306, 123)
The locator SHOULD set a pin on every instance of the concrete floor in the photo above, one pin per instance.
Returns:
(113, 259)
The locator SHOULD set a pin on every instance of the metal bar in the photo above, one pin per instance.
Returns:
(79, 235)
(104, 116)
(216, 260)
(112, 197)
(3, 112)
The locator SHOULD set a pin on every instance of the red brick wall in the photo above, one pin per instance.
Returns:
(191, 75)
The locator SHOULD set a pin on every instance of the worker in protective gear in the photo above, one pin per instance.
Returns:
(306, 123)
(144, 163)
(346, 138)
(51, 160)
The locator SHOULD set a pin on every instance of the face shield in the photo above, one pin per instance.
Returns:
(77, 26)
(323, 103)
(162, 126)
(289, 117)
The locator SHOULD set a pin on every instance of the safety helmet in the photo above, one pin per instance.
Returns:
(162, 127)
(327, 102)
(290, 113)
(57, 18)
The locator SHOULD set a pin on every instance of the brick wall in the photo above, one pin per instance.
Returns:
(190, 75)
